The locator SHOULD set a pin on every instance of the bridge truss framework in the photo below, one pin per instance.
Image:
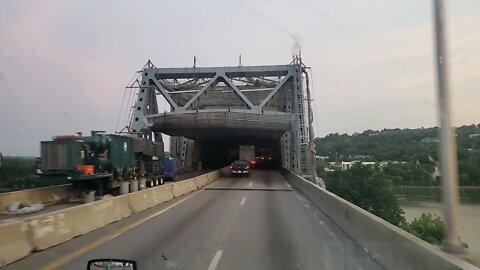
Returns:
(233, 101)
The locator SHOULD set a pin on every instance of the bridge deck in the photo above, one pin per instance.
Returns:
(244, 223)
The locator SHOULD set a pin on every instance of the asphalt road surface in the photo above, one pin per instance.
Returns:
(235, 223)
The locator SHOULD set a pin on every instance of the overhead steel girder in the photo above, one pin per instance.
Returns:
(274, 92)
(239, 93)
(209, 72)
(212, 74)
(165, 93)
(204, 88)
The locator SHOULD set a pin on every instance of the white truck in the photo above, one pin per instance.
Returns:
(246, 152)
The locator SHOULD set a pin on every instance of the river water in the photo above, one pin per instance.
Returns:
(417, 200)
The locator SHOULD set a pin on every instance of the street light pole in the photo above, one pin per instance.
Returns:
(448, 149)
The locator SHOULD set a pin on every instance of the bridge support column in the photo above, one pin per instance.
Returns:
(287, 150)
(186, 150)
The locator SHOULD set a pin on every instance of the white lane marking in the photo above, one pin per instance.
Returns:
(250, 184)
(288, 185)
(243, 201)
(216, 259)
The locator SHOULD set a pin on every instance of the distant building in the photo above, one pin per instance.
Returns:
(347, 165)
(430, 140)
(321, 158)
(368, 163)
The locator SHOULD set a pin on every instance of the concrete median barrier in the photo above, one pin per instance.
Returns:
(389, 245)
(202, 180)
(15, 242)
(212, 176)
(183, 187)
(163, 193)
(45, 195)
(53, 228)
(225, 171)
(151, 197)
(215, 175)
(40, 232)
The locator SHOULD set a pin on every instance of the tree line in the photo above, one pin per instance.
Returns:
(415, 150)
(19, 173)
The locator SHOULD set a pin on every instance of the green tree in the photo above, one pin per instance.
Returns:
(369, 188)
(411, 174)
(428, 227)
(19, 173)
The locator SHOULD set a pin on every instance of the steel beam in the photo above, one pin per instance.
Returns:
(204, 88)
(208, 72)
(275, 90)
(239, 93)
(165, 93)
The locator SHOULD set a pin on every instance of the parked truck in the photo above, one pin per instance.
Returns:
(172, 168)
(100, 162)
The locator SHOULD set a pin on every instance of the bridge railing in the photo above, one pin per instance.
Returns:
(391, 246)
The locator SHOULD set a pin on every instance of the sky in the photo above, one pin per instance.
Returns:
(64, 65)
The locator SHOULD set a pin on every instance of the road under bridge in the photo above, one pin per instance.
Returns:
(235, 223)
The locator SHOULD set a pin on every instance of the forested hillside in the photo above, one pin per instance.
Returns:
(417, 147)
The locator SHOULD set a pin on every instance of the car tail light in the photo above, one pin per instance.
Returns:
(248, 168)
(231, 167)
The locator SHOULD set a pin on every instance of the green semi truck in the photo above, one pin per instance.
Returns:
(100, 162)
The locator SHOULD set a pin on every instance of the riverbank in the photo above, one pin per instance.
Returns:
(468, 195)
(417, 200)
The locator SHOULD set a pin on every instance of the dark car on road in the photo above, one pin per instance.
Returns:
(240, 167)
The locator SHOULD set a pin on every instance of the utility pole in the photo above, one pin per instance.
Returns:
(448, 148)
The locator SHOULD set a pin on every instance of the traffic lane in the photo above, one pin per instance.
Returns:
(239, 229)
(37, 260)
(211, 225)
(259, 179)
(71, 247)
(281, 230)
(198, 226)
(183, 237)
